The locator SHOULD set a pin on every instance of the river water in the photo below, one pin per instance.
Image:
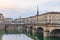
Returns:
(18, 35)
(15, 37)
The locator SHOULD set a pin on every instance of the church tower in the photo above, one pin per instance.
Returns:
(37, 13)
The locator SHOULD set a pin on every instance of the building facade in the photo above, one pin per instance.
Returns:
(1, 18)
(8, 20)
(1, 21)
(50, 17)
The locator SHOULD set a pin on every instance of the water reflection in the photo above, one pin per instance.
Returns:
(53, 38)
(23, 35)
(15, 37)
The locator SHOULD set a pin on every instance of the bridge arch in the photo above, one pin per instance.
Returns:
(25, 29)
(30, 30)
(40, 33)
(39, 29)
(55, 32)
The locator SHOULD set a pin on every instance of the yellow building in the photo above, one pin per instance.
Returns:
(49, 17)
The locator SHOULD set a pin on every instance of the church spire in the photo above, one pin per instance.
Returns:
(37, 11)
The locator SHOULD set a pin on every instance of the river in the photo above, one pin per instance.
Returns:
(18, 35)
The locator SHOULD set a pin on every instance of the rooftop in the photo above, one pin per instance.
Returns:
(45, 13)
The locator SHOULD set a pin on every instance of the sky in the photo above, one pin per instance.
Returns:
(25, 8)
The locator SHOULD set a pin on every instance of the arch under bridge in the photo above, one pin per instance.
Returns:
(47, 29)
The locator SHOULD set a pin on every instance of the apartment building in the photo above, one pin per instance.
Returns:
(49, 17)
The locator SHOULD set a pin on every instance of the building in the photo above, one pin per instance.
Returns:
(1, 21)
(8, 20)
(1, 18)
(49, 17)
(20, 20)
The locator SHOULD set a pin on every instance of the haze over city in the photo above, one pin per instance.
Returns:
(26, 8)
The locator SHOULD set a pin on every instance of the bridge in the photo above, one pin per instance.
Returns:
(47, 29)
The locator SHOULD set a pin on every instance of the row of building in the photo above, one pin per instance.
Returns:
(49, 17)
(46, 18)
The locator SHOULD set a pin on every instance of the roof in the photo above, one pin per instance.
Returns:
(45, 14)
(51, 13)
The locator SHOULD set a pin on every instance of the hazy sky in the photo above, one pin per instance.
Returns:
(26, 8)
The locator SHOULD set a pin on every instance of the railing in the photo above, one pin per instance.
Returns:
(32, 23)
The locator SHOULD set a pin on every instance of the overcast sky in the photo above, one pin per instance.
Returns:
(26, 8)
